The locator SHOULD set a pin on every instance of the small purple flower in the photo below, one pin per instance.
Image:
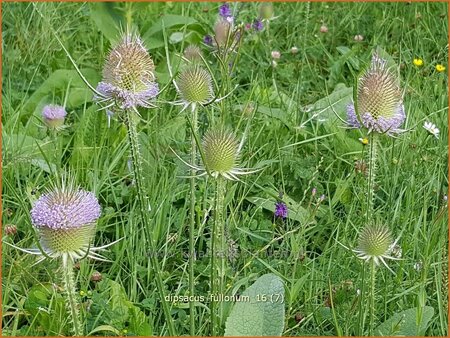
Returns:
(314, 191)
(321, 198)
(258, 25)
(281, 210)
(54, 115)
(225, 11)
(207, 40)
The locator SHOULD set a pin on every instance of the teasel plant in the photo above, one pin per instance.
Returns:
(129, 83)
(375, 246)
(53, 117)
(377, 108)
(220, 154)
(65, 218)
(194, 86)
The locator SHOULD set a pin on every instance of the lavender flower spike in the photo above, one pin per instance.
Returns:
(128, 75)
(380, 104)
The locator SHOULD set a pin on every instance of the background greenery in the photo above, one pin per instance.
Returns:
(293, 133)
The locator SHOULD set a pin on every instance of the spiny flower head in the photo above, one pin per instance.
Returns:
(379, 100)
(195, 85)
(220, 155)
(221, 151)
(222, 31)
(375, 243)
(193, 53)
(65, 218)
(266, 11)
(65, 208)
(54, 116)
(128, 75)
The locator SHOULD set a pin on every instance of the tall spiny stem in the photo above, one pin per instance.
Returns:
(71, 295)
(144, 208)
(217, 239)
(372, 297)
(373, 154)
(192, 221)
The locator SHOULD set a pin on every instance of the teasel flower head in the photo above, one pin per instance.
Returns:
(379, 100)
(221, 155)
(128, 76)
(375, 243)
(193, 54)
(53, 116)
(195, 86)
(266, 11)
(65, 219)
(222, 31)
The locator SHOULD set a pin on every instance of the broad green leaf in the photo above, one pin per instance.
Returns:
(325, 110)
(58, 82)
(406, 323)
(107, 18)
(262, 314)
(349, 56)
(176, 37)
(103, 328)
(169, 20)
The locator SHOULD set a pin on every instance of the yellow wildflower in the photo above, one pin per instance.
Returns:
(418, 62)
(364, 140)
(440, 68)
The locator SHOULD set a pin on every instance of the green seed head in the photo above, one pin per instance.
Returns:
(129, 65)
(193, 53)
(195, 85)
(67, 240)
(378, 91)
(375, 241)
(266, 11)
(221, 151)
(222, 30)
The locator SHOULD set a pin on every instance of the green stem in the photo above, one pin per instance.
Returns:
(373, 154)
(372, 297)
(217, 239)
(58, 151)
(144, 208)
(192, 221)
(71, 296)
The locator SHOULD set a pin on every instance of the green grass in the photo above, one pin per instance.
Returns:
(297, 149)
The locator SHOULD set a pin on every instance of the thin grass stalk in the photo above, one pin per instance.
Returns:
(144, 208)
(72, 303)
(192, 221)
